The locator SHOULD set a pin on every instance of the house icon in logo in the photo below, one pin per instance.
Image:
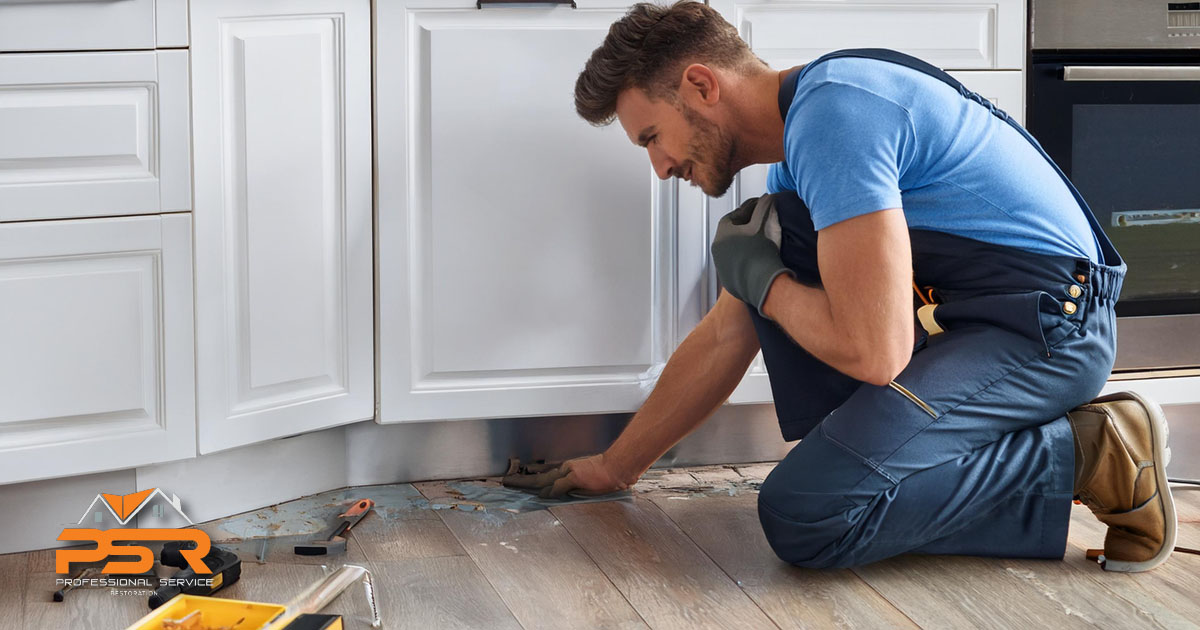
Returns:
(124, 507)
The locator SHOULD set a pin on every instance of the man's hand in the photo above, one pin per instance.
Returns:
(746, 251)
(584, 475)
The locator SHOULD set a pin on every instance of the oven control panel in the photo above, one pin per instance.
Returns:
(1184, 15)
(1114, 24)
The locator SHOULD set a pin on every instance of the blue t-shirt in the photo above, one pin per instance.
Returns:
(864, 135)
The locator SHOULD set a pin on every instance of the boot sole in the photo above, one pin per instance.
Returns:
(1159, 432)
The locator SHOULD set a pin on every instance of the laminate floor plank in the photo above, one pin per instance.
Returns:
(13, 569)
(544, 576)
(439, 592)
(727, 529)
(1187, 507)
(1169, 594)
(955, 592)
(81, 608)
(402, 538)
(41, 560)
(968, 592)
(669, 581)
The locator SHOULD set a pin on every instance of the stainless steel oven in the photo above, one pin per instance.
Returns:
(1114, 97)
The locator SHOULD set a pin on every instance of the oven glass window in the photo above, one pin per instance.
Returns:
(1138, 167)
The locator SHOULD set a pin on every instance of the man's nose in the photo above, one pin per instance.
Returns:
(663, 165)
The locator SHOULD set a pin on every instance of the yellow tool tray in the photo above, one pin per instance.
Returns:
(214, 613)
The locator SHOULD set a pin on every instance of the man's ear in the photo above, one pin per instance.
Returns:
(700, 82)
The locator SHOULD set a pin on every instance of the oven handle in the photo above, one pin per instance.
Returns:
(1131, 73)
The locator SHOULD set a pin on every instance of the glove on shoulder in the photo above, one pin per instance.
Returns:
(746, 251)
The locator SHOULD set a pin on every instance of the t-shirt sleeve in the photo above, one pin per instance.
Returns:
(847, 148)
(778, 178)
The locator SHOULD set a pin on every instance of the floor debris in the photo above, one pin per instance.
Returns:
(251, 534)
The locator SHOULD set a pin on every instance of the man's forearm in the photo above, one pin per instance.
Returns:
(861, 321)
(697, 379)
(803, 312)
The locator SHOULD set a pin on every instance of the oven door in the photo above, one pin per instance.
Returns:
(1126, 130)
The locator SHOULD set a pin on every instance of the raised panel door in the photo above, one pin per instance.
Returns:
(527, 261)
(283, 217)
(97, 368)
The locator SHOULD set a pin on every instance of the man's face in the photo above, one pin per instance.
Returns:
(680, 140)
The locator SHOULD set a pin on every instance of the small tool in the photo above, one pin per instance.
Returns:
(226, 568)
(334, 542)
(61, 593)
(95, 572)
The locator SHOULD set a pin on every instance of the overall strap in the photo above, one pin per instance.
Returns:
(787, 90)
(1108, 253)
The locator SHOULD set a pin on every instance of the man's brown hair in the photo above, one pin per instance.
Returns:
(649, 48)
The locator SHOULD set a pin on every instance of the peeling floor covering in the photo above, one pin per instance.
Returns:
(681, 549)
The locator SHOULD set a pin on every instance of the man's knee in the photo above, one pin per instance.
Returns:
(802, 533)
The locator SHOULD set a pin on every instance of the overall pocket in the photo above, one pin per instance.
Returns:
(1035, 315)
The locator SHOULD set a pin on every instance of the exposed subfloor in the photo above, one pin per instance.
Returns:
(685, 550)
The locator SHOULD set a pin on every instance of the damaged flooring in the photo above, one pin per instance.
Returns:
(683, 549)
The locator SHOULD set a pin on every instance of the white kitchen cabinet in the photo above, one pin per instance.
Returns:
(97, 369)
(93, 134)
(28, 25)
(282, 127)
(950, 34)
(527, 260)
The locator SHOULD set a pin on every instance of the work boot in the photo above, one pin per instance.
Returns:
(1120, 459)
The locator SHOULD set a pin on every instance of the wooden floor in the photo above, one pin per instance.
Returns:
(685, 551)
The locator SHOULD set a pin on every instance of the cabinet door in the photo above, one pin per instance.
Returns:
(283, 216)
(96, 372)
(526, 258)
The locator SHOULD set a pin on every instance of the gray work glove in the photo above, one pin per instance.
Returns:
(579, 477)
(746, 251)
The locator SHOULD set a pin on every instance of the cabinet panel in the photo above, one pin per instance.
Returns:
(283, 217)
(959, 34)
(526, 258)
(93, 134)
(77, 25)
(98, 345)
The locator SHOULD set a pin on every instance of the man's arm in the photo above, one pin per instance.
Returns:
(861, 322)
(697, 379)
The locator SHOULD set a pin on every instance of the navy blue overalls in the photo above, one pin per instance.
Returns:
(968, 451)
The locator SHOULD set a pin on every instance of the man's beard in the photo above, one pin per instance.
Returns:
(711, 153)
